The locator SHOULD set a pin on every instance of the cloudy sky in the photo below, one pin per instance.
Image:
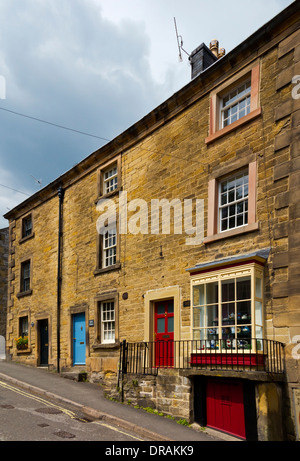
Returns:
(76, 73)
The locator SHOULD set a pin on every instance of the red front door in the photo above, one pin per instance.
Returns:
(164, 333)
(225, 406)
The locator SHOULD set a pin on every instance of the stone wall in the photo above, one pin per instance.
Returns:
(169, 393)
(3, 279)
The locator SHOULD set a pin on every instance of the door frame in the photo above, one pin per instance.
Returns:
(161, 294)
(39, 323)
(74, 314)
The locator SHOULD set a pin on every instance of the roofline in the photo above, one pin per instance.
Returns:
(259, 256)
(162, 114)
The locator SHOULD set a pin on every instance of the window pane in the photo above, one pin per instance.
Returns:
(212, 293)
(160, 309)
(224, 198)
(212, 316)
(198, 317)
(198, 295)
(196, 335)
(258, 312)
(243, 288)
(240, 220)
(161, 325)
(244, 312)
(170, 324)
(258, 287)
(258, 332)
(170, 307)
(228, 314)
(244, 332)
(228, 290)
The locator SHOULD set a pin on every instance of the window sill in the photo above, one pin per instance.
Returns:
(28, 237)
(231, 233)
(233, 126)
(22, 294)
(109, 195)
(24, 351)
(99, 346)
(107, 269)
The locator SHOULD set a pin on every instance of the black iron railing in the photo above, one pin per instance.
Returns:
(251, 355)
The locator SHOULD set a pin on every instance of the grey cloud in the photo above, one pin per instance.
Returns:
(64, 63)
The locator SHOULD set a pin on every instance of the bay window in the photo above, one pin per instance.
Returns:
(227, 308)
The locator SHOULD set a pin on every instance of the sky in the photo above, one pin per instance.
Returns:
(76, 73)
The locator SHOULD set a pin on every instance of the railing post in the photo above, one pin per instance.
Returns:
(123, 365)
(124, 359)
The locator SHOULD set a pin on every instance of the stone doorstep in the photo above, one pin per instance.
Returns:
(75, 375)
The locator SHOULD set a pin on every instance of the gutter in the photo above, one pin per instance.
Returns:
(59, 271)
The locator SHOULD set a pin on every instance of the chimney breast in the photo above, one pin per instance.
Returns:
(203, 57)
(200, 59)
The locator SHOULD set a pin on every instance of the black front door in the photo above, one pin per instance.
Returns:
(43, 328)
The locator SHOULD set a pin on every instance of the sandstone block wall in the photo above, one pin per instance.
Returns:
(3, 279)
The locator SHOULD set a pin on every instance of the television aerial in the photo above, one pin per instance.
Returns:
(180, 43)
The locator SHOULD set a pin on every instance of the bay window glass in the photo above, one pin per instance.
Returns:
(228, 311)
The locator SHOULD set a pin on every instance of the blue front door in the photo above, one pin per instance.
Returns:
(79, 339)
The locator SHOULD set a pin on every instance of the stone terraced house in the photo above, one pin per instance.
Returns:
(3, 287)
(165, 265)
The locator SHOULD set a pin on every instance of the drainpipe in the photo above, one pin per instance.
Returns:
(59, 276)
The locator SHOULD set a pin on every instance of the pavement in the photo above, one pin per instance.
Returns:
(90, 400)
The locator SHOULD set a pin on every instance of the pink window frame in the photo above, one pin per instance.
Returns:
(215, 100)
(213, 208)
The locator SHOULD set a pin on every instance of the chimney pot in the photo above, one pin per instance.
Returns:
(221, 52)
(214, 47)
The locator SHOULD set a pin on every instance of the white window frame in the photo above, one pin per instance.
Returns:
(202, 341)
(23, 326)
(236, 102)
(109, 247)
(25, 276)
(27, 226)
(236, 202)
(110, 179)
(108, 321)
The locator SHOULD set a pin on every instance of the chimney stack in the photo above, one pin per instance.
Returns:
(203, 57)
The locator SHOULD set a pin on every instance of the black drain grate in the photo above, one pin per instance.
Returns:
(64, 435)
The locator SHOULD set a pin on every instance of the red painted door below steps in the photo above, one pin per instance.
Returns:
(225, 407)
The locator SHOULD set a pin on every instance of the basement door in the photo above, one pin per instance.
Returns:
(79, 339)
(225, 406)
(164, 333)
